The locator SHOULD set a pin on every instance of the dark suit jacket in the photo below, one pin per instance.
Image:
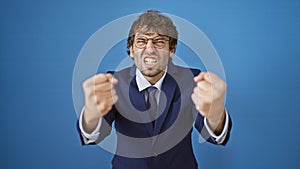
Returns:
(167, 144)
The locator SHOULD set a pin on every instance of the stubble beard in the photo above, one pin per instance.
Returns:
(153, 72)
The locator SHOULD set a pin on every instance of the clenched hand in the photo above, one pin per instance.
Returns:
(208, 97)
(100, 96)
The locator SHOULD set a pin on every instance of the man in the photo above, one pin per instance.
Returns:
(154, 104)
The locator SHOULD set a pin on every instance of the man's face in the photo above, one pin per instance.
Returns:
(151, 54)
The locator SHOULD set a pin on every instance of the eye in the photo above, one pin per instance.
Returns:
(141, 41)
(159, 41)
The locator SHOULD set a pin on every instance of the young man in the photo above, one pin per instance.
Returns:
(154, 104)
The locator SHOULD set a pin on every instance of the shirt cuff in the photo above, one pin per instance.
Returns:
(220, 138)
(94, 135)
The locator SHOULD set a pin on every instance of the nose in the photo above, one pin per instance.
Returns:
(150, 45)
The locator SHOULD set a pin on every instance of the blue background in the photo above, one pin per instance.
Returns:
(258, 43)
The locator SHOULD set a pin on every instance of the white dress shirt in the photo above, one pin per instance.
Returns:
(142, 84)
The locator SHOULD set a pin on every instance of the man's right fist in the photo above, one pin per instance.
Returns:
(100, 96)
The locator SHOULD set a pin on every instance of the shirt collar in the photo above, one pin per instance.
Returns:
(143, 83)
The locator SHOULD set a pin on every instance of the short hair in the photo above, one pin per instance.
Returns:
(154, 22)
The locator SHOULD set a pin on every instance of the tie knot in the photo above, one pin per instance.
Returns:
(151, 89)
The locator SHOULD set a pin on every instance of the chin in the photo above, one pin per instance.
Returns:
(151, 73)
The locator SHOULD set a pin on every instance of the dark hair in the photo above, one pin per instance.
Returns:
(154, 22)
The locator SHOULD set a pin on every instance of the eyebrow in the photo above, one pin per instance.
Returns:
(158, 36)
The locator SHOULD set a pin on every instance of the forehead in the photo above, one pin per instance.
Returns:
(148, 34)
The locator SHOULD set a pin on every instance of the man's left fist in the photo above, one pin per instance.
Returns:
(208, 97)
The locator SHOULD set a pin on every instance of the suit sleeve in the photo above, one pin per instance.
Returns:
(208, 136)
(104, 129)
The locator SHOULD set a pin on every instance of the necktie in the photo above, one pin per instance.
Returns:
(152, 103)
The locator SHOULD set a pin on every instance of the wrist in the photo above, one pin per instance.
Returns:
(89, 119)
(89, 115)
(217, 124)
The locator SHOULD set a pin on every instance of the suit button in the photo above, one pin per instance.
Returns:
(154, 154)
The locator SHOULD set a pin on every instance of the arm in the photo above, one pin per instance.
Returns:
(102, 129)
(209, 135)
(100, 97)
(208, 97)
(88, 138)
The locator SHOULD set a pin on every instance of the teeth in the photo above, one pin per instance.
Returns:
(150, 61)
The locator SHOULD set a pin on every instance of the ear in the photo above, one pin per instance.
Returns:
(172, 52)
(131, 52)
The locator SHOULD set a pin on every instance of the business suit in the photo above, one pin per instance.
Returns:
(167, 144)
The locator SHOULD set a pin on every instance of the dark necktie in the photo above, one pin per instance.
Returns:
(152, 103)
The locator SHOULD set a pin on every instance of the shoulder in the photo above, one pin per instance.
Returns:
(182, 69)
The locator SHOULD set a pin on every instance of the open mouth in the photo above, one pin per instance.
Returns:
(150, 61)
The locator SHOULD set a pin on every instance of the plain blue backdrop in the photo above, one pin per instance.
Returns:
(258, 43)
